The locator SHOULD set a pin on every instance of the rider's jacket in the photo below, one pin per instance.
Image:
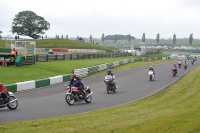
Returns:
(175, 67)
(185, 62)
(111, 74)
(76, 83)
(3, 89)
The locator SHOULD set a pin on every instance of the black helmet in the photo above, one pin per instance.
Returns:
(108, 71)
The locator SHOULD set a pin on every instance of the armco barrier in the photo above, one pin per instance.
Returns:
(47, 57)
(21, 86)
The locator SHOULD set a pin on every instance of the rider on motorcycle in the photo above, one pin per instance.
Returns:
(3, 92)
(76, 82)
(113, 76)
(185, 62)
(151, 68)
(174, 66)
(195, 58)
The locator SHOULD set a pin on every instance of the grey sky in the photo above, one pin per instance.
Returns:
(85, 17)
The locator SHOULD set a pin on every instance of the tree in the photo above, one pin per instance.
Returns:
(158, 38)
(143, 37)
(119, 37)
(116, 38)
(174, 39)
(30, 24)
(102, 38)
(191, 39)
(129, 38)
(90, 38)
(67, 37)
(0, 33)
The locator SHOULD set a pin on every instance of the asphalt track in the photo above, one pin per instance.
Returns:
(50, 101)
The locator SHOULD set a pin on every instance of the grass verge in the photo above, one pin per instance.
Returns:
(50, 69)
(175, 109)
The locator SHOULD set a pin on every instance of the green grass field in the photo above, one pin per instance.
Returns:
(71, 44)
(196, 42)
(173, 110)
(39, 70)
(62, 43)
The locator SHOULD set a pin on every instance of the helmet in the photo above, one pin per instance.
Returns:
(73, 76)
(108, 71)
(150, 67)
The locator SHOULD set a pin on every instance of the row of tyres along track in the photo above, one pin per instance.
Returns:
(50, 101)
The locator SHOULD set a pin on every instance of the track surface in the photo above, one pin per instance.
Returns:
(50, 101)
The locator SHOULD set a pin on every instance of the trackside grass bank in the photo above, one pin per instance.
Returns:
(51, 68)
(175, 109)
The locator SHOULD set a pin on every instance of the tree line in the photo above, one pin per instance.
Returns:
(30, 24)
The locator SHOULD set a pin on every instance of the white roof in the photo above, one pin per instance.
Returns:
(21, 37)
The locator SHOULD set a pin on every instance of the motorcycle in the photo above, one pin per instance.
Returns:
(151, 75)
(185, 66)
(174, 71)
(192, 61)
(75, 95)
(110, 85)
(11, 103)
(179, 64)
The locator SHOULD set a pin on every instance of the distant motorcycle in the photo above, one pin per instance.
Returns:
(174, 71)
(192, 61)
(179, 64)
(75, 95)
(110, 85)
(151, 75)
(185, 66)
(12, 102)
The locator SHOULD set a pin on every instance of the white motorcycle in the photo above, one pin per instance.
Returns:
(12, 102)
(110, 85)
(151, 75)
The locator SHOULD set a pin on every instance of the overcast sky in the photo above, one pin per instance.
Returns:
(85, 17)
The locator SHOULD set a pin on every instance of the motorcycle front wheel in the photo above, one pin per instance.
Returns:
(13, 105)
(108, 89)
(114, 88)
(150, 78)
(69, 99)
(88, 99)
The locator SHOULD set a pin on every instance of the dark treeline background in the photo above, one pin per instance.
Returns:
(119, 37)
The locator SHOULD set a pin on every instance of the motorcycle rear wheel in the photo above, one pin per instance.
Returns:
(13, 105)
(69, 99)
